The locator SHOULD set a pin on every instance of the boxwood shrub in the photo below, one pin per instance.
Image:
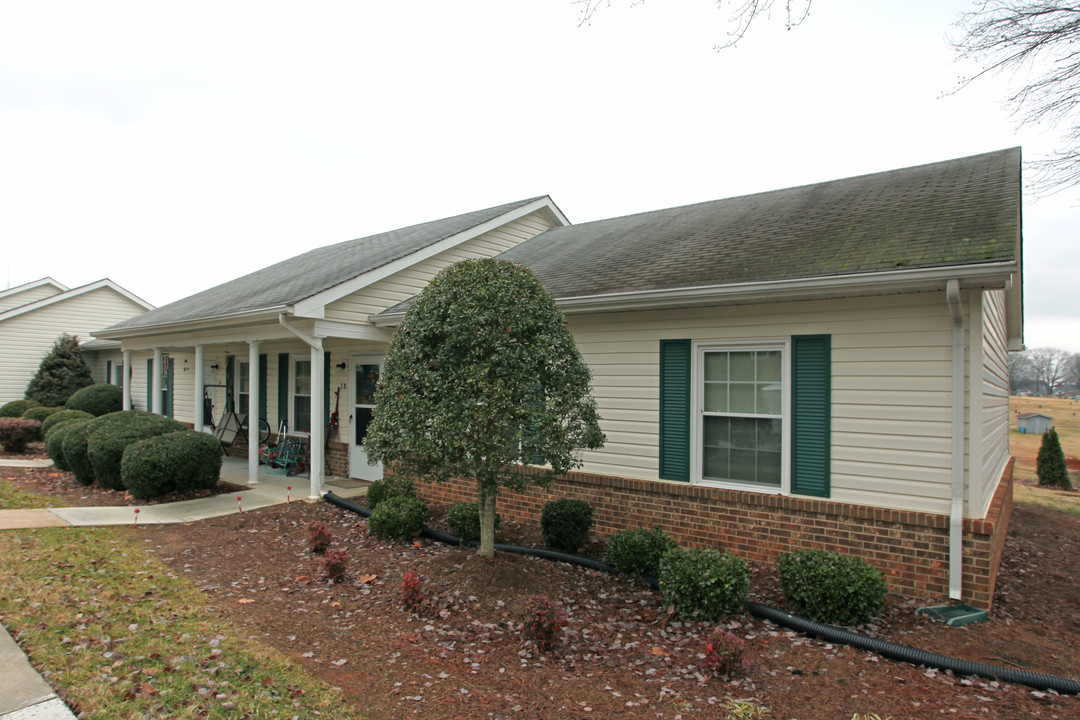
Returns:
(16, 408)
(54, 443)
(112, 433)
(17, 433)
(703, 584)
(463, 519)
(62, 416)
(565, 524)
(389, 487)
(832, 588)
(176, 462)
(75, 452)
(39, 413)
(398, 518)
(638, 552)
(100, 399)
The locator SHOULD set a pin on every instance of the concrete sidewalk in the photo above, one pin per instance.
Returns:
(24, 694)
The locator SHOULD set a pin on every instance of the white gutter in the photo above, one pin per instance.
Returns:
(956, 515)
(315, 466)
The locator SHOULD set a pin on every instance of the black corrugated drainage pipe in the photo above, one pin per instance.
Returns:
(829, 633)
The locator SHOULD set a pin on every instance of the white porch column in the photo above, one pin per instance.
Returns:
(200, 420)
(153, 383)
(254, 383)
(127, 381)
(318, 422)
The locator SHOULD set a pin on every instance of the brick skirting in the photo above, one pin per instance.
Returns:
(911, 548)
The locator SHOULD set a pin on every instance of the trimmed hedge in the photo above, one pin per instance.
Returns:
(112, 433)
(176, 462)
(62, 416)
(54, 443)
(98, 400)
(463, 519)
(398, 518)
(16, 408)
(17, 433)
(638, 552)
(832, 588)
(75, 453)
(389, 487)
(703, 584)
(565, 524)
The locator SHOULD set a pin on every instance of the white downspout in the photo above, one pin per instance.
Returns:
(956, 516)
(315, 466)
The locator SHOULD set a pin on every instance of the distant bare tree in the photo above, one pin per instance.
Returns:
(1050, 367)
(1020, 371)
(1037, 41)
(1072, 370)
(745, 12)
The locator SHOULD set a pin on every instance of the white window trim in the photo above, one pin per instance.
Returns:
(697, 404)
(237, 392)
(293, 359)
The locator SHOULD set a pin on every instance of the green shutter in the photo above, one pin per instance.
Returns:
(149, 384)
(167, 396)
(108, 372)
(282, 388)
(326, 392)
(230, 380)
(675, 410)
(262, 390)
(811, 413)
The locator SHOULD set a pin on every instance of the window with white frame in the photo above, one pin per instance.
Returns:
(301, 395)
(118, 374)
(243, 387)
(741, 426)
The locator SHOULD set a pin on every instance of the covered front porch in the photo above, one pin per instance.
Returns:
(237, 471)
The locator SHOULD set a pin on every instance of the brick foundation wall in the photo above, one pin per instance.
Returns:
(911, 548)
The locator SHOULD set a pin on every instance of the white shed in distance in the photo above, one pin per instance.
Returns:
(1034, 423)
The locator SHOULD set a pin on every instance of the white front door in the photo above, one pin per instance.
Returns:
(365, 375)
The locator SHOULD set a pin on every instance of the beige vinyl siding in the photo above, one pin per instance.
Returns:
(989, 392)
(99, 360)
(891, 387)
(26, 338)
(403, 285)
(25, 297)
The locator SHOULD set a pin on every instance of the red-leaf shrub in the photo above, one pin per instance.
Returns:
(411, 594)
(320, 538)
(334, 563)
(725, 653)
(543, 619)
(15, 433)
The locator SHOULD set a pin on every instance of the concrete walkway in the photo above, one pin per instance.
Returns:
(24, 694)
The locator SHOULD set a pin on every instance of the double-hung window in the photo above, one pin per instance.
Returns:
(301, 395)
(243, 387)
(742, 422)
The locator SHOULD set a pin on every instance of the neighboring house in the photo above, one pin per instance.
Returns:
(34, 315)
(822, 366)
(1034, 423)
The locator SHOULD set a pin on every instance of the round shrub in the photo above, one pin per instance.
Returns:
(832, 588)
(565, 524)
(54, 443)
(177, 462)
(62, 416)
(112, 433)
(463, 519)
(39, 413)
(703, 584)
(398, 518)
(16, 408)
(389, 487)
(76, 456)
(100, 399)
(638, 552)
(17, 433)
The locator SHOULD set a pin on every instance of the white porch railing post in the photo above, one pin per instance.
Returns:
(318, 422)
(127, 381)
(254, 383)
(200, 419)
(153, 385)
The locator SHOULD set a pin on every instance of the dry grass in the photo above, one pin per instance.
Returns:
(1025, 447)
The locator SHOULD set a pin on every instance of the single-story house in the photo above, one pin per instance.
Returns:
(1034, 423)
(35, 314)
(820, 366)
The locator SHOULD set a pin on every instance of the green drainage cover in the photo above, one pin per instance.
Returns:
(954, 615)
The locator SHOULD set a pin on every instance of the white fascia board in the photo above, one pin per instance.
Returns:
(234, 319)
(176, 341)
(69, 294)
(352, 331)
(315, 305)
(126, 293)
(991, 275)
(33, 284)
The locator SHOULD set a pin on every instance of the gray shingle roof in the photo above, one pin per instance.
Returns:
(303, 276)
(956, 212)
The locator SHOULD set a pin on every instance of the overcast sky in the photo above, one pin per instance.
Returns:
(174, 147)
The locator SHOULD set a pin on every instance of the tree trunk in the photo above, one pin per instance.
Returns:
(486, 503)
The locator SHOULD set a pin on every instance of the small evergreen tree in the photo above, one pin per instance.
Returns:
(1050, 465)
(62, 372)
